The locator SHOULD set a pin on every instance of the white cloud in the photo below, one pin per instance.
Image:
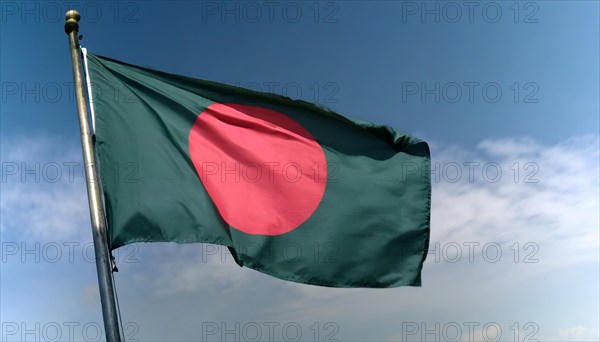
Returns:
(553, 201)
(578, 333)
(43, 193)
(185, 269)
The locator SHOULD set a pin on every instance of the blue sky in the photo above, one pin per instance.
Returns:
(497, 85)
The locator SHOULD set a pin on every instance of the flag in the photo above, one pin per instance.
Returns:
(293, 189)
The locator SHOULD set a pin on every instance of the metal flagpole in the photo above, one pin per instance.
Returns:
(103, 262)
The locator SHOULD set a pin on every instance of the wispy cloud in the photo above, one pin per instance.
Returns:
(43, 190)
(578, 333)
(546, 194)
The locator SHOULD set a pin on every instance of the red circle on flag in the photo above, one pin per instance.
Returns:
(265, 173)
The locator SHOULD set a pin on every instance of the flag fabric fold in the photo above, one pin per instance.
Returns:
(294, 190)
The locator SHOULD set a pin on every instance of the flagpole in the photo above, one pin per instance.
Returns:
(103, 262)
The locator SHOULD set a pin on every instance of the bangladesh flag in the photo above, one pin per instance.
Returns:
(294, 190)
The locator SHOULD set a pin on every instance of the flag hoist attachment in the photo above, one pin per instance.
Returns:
(99, 231)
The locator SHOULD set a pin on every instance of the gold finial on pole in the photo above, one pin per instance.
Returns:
(72, 23)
